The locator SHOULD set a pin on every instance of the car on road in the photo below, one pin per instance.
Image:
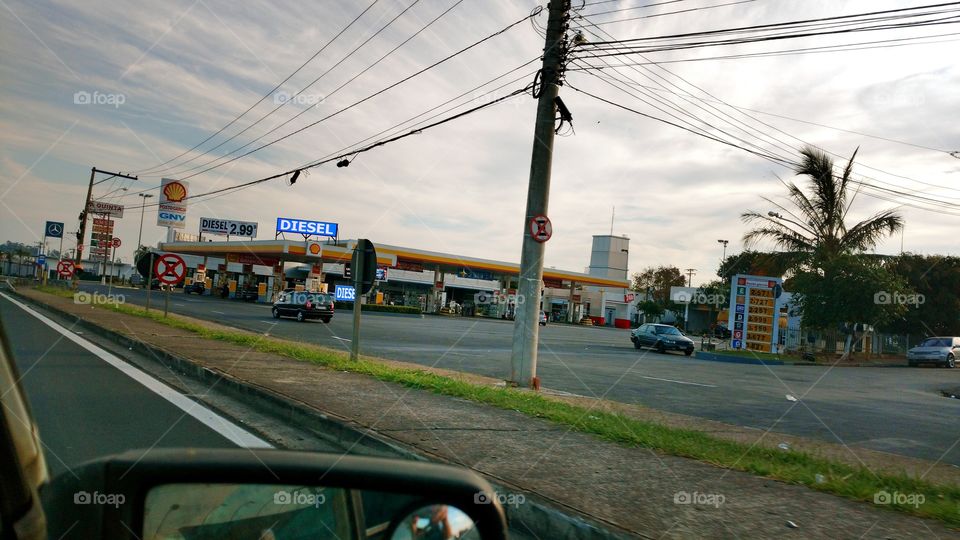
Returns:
(304, 305)
(197, 287)
(543, 318)
(662, 338)
(938, 350)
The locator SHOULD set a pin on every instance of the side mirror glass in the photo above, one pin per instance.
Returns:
(437, 521)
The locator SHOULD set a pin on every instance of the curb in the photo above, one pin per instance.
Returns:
(545, 521)
(711, 357)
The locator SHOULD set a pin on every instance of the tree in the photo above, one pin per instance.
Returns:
(650, 309)
(825, 252)
(935, 281)
(657, 282)
(818, 225)
(21, 252)
(757, 263)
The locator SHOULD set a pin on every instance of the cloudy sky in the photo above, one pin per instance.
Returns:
(163, 76)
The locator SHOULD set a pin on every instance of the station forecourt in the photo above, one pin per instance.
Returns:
(434, 282)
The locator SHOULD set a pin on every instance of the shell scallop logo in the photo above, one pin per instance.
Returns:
(175, 192)
(314, 249)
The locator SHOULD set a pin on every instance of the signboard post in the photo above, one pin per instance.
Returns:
(364, 266)
(170, 269)
(115, 243)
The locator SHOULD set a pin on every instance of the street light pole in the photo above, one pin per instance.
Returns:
(143, 208)
(724, 242)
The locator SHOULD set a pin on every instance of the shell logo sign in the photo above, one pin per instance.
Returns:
(175, 191)
(314, 249)
(172, 210)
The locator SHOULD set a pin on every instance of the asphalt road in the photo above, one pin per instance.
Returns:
(86, 407)
(897, 410)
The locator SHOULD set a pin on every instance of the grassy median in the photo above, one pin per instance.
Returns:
(858, 483)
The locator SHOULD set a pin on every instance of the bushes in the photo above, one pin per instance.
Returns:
(408, 310)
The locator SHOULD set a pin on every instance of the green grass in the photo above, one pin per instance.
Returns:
(838, 478)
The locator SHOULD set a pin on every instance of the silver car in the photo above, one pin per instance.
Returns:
(935, 350)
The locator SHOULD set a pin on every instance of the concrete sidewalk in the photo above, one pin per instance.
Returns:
(625, 491)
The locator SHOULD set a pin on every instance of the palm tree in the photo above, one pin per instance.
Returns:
(819, 224)
(816, 233)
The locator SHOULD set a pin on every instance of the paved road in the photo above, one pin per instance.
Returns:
(86, 407)
(890, 409)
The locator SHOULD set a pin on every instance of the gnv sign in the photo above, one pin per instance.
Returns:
(303, 226)
(344, 293)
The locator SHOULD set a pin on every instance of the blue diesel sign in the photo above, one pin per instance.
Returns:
(344, 293)
(303, 226)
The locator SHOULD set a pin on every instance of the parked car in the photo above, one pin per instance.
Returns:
(661, 337)
(942, 351)
(543, 318)
(721, 331)
(247, 294)
(304, 305)
(197, 287)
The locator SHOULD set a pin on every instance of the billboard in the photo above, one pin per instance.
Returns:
(172, 209)
(105, 209)
(306, 227)
(754, 312)
(228, 227)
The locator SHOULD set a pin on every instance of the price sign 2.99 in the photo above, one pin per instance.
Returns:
(228, 227)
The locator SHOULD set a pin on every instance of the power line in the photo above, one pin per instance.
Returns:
(628, 8)
(845, 47)
(304, 89)
(371, 96)
(367, 148)
(775, 25)
(660, 14)
(268, 94)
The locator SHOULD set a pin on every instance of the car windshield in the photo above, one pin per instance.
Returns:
(416, 303)
(667, 330)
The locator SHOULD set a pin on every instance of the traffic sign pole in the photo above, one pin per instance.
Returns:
(357, 295)
(149, 277)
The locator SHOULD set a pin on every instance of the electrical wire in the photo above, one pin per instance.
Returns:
(367, 148)
(363, 100)
(268, 94)
(348, 107)
(304, 89)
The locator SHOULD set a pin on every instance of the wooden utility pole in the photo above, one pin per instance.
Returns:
(85, 213)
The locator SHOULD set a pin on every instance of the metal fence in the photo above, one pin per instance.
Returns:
(873, 344)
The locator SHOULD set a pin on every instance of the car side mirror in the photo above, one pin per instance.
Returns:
(268, 494)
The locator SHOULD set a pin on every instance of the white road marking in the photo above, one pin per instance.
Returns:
(342, 338)
(178, 305)
(217, 312)
(678, 382)
(212, 420)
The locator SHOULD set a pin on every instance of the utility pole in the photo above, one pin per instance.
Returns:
(526, 327)
(143, 208)
(83, 217)
(690, 272)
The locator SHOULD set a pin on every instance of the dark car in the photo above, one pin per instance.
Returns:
(304, 305)
(197, 287)
(661, 337)
(721, 331)
(247, 294)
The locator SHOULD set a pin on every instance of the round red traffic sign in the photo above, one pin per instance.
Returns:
(540, 228)
(116, 242)
(65, 268)
(169, 268)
